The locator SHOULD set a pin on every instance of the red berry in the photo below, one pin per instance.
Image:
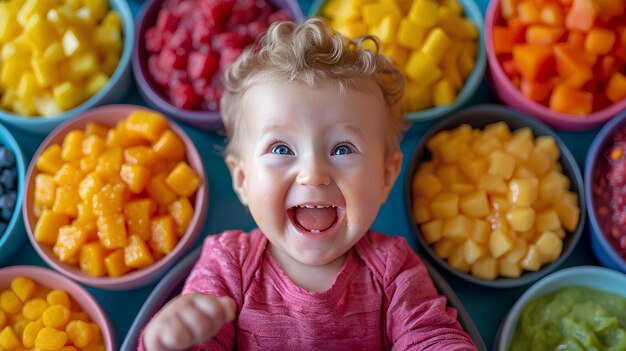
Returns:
(172, 58)
(154, 40)
(167, 21)
(184, 97)
(202, 65)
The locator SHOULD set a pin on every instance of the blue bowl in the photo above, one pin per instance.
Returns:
(602, 248)
(113, 91)
(472, 12)
(585, 276)
(13, 237)
(171, 285)
(478, 117)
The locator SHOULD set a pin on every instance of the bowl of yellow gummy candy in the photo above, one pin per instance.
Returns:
(42, 310)
(577, 308)
(495, 197)
(438, 46)
(61, 58)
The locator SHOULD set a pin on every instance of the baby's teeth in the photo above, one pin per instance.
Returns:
(315, 231)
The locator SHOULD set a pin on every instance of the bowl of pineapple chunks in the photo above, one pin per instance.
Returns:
(60, 58)
(115, 196)
(438, 46)
(495, 197)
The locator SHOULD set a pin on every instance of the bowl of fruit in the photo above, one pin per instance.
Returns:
(185, 46)
(604, 171)
(45, 310)
(114, 196)
(561, 62)
(60, 59)
(507, 210)
(438, 46)
(12, 170)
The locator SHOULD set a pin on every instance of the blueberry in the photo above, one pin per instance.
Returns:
(7, 201)
(8, 178)
(6, 214)
(6, 157)
(3, 227)
(2, 190)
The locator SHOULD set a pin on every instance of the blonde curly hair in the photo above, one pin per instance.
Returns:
(311, 53)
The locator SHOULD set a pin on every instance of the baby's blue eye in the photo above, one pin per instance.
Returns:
(342, 150)
(282, 149)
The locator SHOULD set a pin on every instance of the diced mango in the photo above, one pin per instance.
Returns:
(91, 259)
(68, 175)
(163, 236)
(48, 225)
(485, 268)
(475, 204)
(445, 205)
(182, 212)
(115, 265)
(508, 269)
(426, 185)
(547, 220)
(109, 165)
(550, 246)
(183, 180)
(523, 192)
(159, 191)
(136, 177)
(532, 260)
(93, 145)
(69, 241)
(444, 247)
(150, 125)
(473, 251)
(457, 260)
(501, 164)
(137, 254)
(112, 230)
(521, 219)
(110, 199)
(457, 228)
(500, 242)
(50, 159)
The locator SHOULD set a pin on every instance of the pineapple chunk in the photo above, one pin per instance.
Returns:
(521, 219)
(475, 205)
(499, 130)
(421, 211)
(493, 184)
(472, 251)
(539, 161)
(457, 260)
(568, 215)
(433, 231)
(481, 231)
(516, 253)
(501, 164)
(548, 144)
(500, 242)
(508, 269)
(550, 246)
(444, 248)
(521, 144)
(532, 261)
(547, 220)
(426, 185)
(485, 268)
(445, 205)
(458, 228)
(523, 192)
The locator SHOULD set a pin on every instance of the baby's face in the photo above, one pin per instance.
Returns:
(312, 166)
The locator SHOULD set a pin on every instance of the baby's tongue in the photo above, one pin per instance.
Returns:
(318, 219)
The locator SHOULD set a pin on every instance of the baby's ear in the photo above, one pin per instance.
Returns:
(237, 173)
(393, 165)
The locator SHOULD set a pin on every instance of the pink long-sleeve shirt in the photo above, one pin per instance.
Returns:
(383, 298)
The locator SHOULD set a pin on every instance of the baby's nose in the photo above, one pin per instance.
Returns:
(313, 174)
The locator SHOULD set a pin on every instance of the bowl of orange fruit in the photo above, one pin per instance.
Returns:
(504, 212)
(115, 196)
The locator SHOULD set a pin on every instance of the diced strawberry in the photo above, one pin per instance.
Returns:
(215, 10)
(154, 40)
(167, 21)
(201, 65)
(201, 86)
(228, 40)
(202, 33)
(178, 77)
(244, 11)
(184, 97)
(158, 74)
(174, 58)
(184, 8)
(181, 39)
(229, 56)
(211, 99)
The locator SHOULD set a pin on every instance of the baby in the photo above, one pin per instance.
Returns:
(314, 124)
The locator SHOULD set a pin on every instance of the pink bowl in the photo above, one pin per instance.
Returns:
(110, 115)
(54, 280)
(510, 95)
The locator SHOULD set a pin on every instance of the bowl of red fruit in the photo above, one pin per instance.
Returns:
(184, 46)
(605, 191)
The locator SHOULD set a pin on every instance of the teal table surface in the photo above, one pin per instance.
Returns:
(487, 306)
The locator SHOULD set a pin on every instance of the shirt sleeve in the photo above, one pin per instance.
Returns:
(218, 273)
(417, 316)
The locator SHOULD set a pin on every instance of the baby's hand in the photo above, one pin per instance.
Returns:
(188, 320)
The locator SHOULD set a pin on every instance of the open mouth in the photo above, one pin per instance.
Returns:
(313, 218)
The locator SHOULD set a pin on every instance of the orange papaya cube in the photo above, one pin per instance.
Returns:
(137, 254)
(90, 228)
(542, 34)
(503, 40)
(48, 225)
(572, 64)
(163, 166)
(58, 297)
(89, 186)
(581, 15)
(50, 159)
(110, 199)
(79, 333)
(169, 147)
(137, 215)
(608, 9)
(140, 155)
(183, 180)
(121, 136)
(69, 241)
(45, 189)
(507, 8)
(163, 236)
(599, 41)
(576, 40)
(567, 99)
(91, 259)
(532, 60)
(147, 123)
(115, 265)
(112, 230)
(136, 177)
(94, 128)
(181, 211)
(85, 213)
(88, 164)
(65, 201)
(72, 148)
(552, 14)
(518, 29)
(23, 287)
(69, 175)
(620, 47)
(93, 145)
(528, 12)
(538, 92)
(606, 67)
(159, 191)
(50, 338)
(616, 88)
(109, 165)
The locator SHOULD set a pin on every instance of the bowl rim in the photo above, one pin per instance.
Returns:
(7, 236)
(208, 120)
(473, 13)
(546, 286)
(139, 277)
(535, 109)
(598, 146)
(78, 293)
(128, 34)
(565, 158)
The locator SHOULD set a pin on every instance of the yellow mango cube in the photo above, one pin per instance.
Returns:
(500, 242)
(417, 97)
(508, 269)
(68, 175)
(72, 148)
(373, 13)
(550, 246)
(472, 251)
(114, 263)
(523, 192)
(475, 169)
(136, 253)
(112, 231)
(181, 211)
(69, 241)
(432, 231)
(93, 145)
(484, 147)
(423, 69)
(426, 185)
(138, 214)
(485, 268)
(532, 260)
(552, 187)
(547, 221)
(67, 95)
(493, 184)
(458, 227)
(500, 130)
(521, 143)
(91, 259)
(481, 231)
(96, 82)
(110, 199)
(411, 34)
(83, 64)
(147, 123)
(45, 189)
(424, 12)
(549, 146)
(94, 128)
(50, 159)
(444, 93)
(457, 260)
(569, 215)
(436, 43)
(48, 225)
(501, 164)
(163, 236)
(386, 30)
(445, 205)
(136, 177)
(142, 155)
(183, 180)
(444, 247)
(110, 164)
(421, 211)
(475, 204)
(521, 219)
(159, 190)
(89, 186)
(169, 147)
(517, 252)
(539, 162)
